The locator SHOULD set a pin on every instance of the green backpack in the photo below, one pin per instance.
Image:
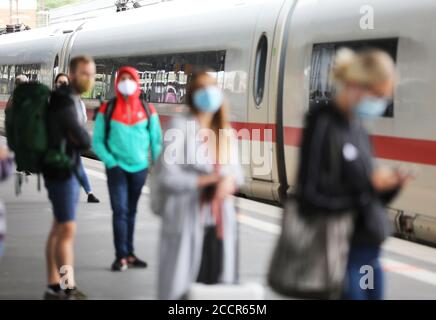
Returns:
(26, 126)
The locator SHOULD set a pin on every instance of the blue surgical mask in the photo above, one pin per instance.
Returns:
(208, 99)
(371, 107)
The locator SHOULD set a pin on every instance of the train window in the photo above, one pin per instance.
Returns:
(259, 69)
(6, 74)
(321, 87)
(163, 78)
(9, 72)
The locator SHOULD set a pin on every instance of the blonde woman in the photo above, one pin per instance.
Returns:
(351, 183)
(197, 173)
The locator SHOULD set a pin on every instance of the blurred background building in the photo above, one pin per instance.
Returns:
(94, 8)
(18, 12)
(22, 14)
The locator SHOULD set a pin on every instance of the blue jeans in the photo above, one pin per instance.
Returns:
(124, 190)
(364, 277)
(85, 181)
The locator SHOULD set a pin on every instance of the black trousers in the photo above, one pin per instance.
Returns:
(212, 257)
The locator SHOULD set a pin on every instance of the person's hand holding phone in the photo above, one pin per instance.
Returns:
(385, 178)
(226, 187)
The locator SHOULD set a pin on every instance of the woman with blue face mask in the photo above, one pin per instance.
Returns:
(195, 177)
(337, 174)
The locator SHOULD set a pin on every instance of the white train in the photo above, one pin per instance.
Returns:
(272, 57)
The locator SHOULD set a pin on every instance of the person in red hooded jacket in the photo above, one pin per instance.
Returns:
(124, 149)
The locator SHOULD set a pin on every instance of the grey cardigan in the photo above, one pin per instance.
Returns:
(181, 239)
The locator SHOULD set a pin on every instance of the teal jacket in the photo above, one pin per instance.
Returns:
(129, 138)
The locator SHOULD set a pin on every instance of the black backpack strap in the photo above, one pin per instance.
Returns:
(146, 107)
(107, 120)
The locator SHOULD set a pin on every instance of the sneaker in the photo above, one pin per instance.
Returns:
(92, 198)
(51, 294)
(74, 294)
(135, 262)
(119, 265)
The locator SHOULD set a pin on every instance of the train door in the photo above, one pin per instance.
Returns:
(65, 54)
(292, 96)
(260, 122)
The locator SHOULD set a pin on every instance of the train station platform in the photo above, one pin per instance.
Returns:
(411, 267)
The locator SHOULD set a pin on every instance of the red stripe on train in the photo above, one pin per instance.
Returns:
(385, 147)
(405, 149)
(393, 148)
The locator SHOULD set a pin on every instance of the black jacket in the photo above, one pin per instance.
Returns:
(63, 125)
(335, 171)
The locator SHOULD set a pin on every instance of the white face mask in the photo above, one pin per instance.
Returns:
(127, 87)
